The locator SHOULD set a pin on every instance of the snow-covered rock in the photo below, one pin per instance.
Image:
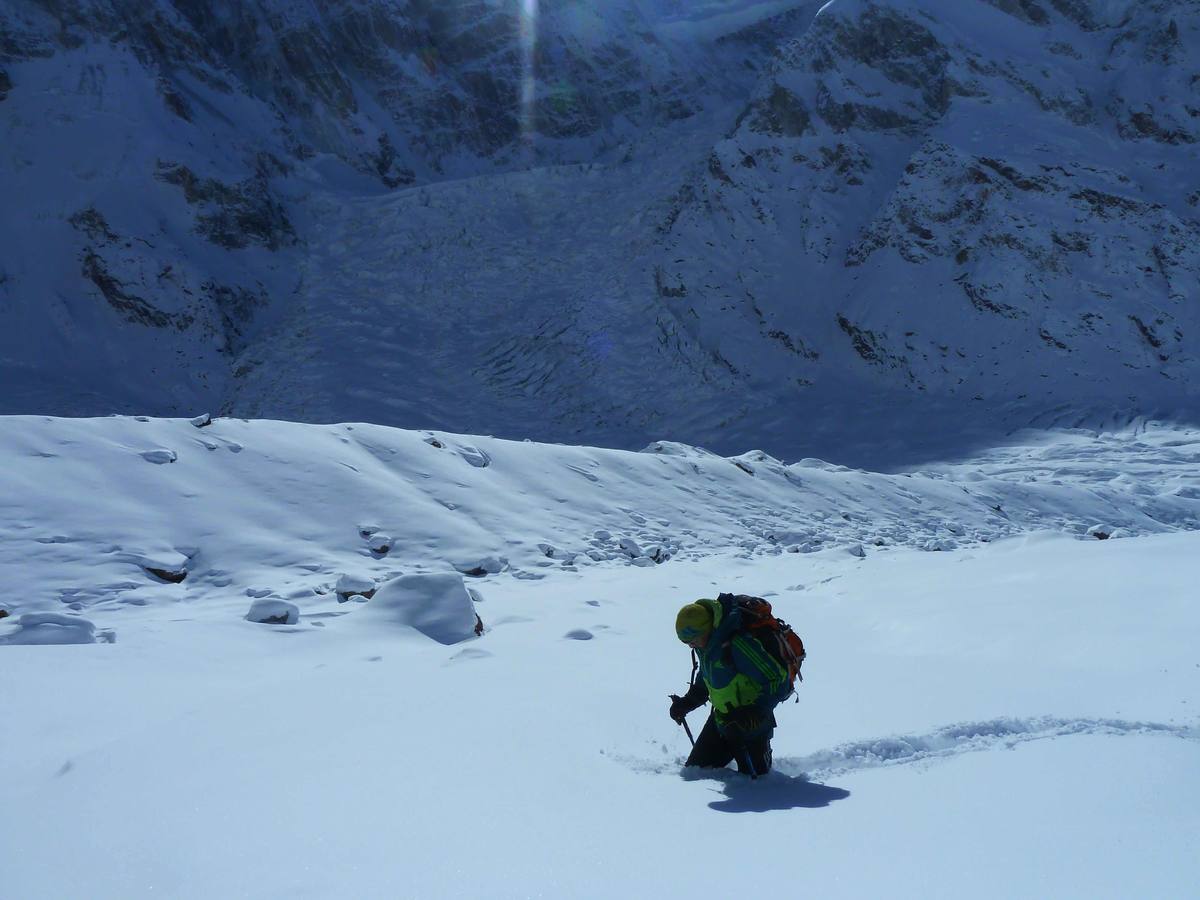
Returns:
(438, 606)
(380, 542)
(160, 456)
(349, 585)
(273, 611)
(52, 628)
(168, 565)
(486, 565)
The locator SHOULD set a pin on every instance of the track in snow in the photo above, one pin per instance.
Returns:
(965, 737)
(940, 744)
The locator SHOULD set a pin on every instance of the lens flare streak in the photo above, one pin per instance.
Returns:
(528, 32)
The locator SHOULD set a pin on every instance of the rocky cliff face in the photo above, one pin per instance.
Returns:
(991, 200)
(408, 90)
(159, 159)
(716, 221)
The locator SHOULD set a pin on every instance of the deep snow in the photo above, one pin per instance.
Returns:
(1005, 718)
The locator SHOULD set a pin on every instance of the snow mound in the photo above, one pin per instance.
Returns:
(170, 565)
(488, 565)
(439, 606)
(349, 585)
(380, 543)
(270, 611)
(160, 456)
(52, 628)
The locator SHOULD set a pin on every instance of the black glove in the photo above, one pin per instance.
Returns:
(693, 699)
(679, 708)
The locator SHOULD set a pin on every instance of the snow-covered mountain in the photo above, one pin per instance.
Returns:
(993, 201)
(730, 223)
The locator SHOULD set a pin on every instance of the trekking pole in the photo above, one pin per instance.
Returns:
(683, 722)
(745, 760)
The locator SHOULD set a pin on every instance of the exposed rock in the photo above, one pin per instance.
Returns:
(132, 307)
(236, 307)
(175, 576)
(386, 165)
(781, 113)
(234, 216)
(91, 222)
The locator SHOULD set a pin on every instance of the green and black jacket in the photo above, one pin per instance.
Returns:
(734, 668)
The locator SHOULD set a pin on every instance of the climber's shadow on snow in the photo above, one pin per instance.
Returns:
(775, 791)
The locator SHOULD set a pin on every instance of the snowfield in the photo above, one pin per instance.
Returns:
(996, 703)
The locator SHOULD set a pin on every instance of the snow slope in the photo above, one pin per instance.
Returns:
(283, 510)
(1012, 716)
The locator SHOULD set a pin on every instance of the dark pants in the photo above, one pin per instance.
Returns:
(714, 751)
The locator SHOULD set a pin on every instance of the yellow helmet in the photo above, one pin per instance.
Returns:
(693, 621)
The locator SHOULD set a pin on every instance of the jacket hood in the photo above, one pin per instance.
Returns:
(726, 619)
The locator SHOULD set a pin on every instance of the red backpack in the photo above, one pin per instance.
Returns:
(776, 635)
